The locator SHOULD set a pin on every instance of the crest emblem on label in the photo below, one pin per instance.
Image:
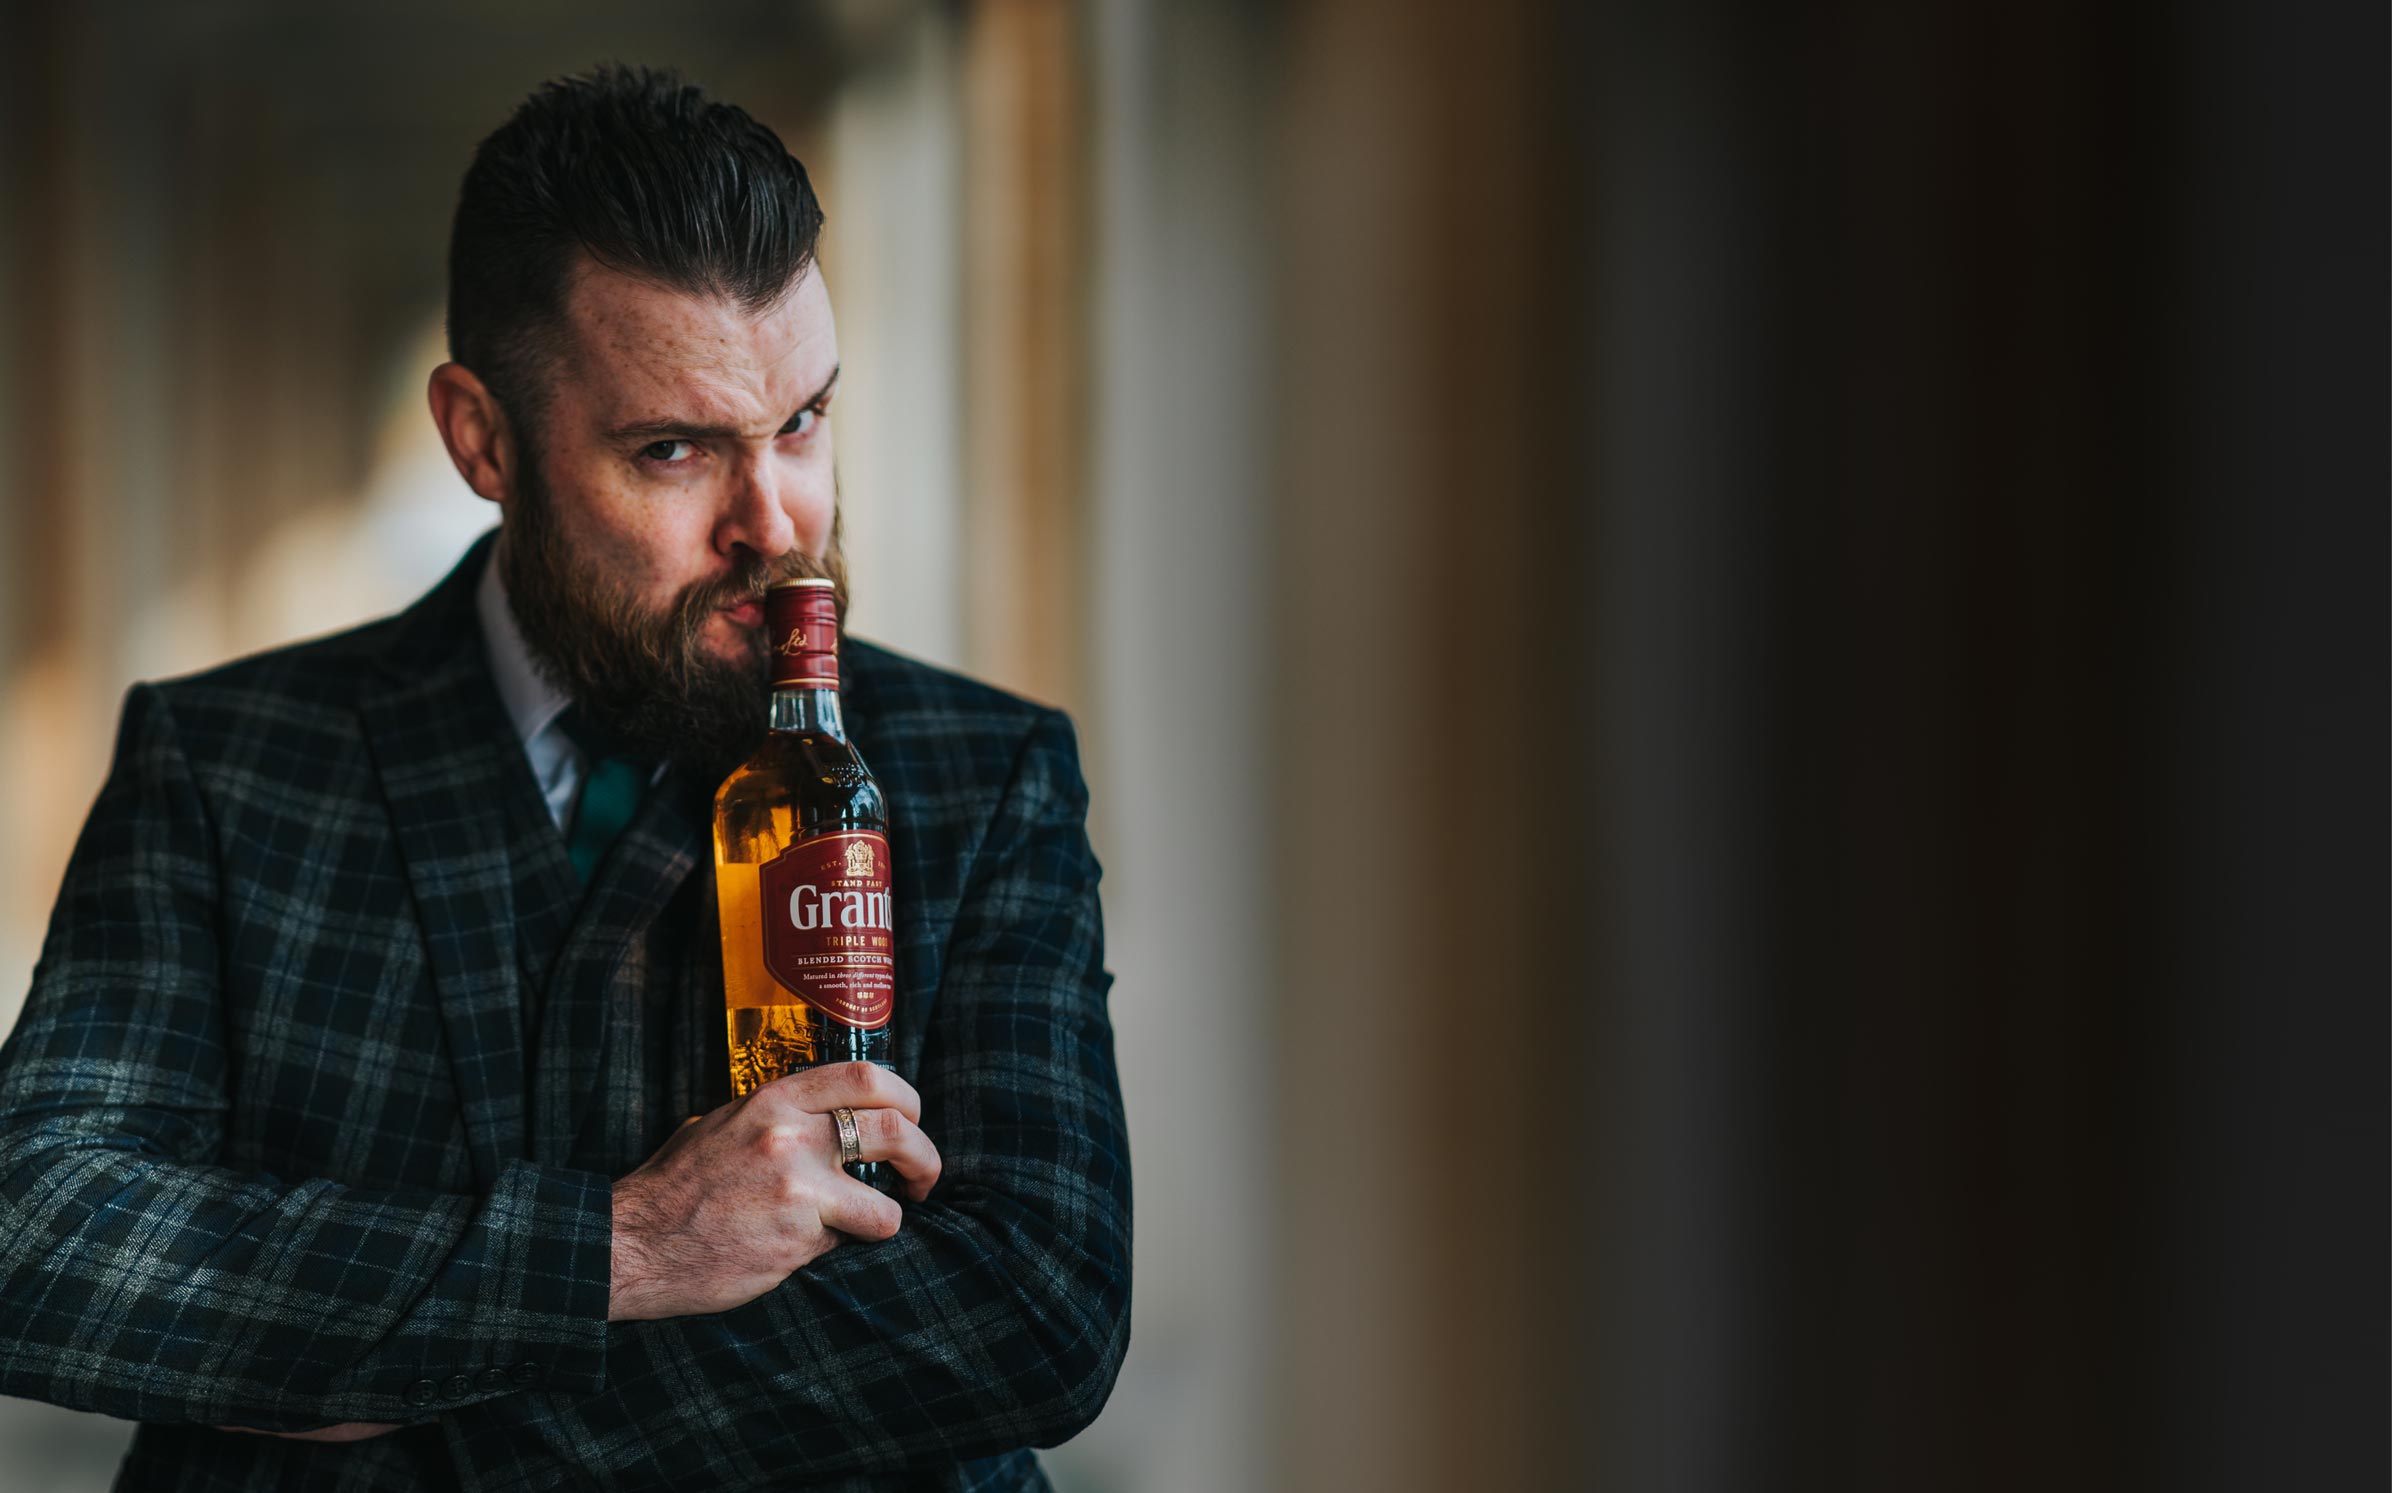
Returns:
(829, 932)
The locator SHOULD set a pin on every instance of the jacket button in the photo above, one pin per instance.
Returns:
(491, 1378)
(527, 1372)
(421, 1392)
(458, 1387)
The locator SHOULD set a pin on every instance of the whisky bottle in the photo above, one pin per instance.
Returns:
(801, 871)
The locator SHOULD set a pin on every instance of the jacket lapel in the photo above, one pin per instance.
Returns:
(448, 757)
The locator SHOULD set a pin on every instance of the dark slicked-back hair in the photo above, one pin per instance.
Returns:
(644, 174)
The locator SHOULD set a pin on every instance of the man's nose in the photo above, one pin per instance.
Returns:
(754, 514)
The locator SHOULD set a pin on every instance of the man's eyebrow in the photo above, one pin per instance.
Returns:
(819, 395)
(684, 430)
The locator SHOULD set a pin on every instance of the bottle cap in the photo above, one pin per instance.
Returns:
(801, 618)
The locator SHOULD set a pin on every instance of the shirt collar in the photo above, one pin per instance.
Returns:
(533, 703)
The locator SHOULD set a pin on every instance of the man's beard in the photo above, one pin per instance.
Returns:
(644, 679)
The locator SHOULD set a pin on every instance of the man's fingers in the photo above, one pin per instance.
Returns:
(765, 1171)
(858, 1212)
(851, 1086)
(891, 1137)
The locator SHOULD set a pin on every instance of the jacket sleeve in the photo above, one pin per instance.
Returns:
(998, 1315)
(141, 1279)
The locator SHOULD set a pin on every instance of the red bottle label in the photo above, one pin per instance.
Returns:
(829, 934)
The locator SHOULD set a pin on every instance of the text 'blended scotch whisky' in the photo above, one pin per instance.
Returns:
(801, 871)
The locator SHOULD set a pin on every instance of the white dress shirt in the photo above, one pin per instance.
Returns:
(533, 703)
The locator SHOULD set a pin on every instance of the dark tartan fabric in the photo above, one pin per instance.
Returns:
(329, 1062)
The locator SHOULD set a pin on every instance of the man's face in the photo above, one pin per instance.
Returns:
(683, 462)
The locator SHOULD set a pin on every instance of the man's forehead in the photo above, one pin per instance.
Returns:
(640, 350)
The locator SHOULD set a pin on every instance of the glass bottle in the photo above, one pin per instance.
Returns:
(801, 867)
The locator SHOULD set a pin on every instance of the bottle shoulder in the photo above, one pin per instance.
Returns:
(820, 773)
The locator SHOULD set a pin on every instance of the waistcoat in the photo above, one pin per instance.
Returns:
(621, 981)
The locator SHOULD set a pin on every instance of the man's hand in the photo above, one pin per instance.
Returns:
(739, 1198)
(356, 1430)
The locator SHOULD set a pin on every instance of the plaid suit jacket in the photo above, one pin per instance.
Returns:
(277, 1150)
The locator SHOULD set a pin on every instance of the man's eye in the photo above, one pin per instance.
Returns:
(801, 422)
(661, 452)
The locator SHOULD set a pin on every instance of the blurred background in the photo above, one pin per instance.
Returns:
(1733, 656)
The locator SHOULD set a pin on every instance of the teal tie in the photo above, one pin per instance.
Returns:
(610, 795)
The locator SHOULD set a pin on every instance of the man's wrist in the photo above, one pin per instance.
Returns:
(626, 1261)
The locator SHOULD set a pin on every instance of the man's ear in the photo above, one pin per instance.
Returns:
(475, 430)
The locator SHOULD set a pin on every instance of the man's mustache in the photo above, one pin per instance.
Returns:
(749, 583)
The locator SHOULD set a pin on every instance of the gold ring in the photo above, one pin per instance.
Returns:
(851, 1139)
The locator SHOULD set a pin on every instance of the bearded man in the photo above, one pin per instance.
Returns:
(347, 1139)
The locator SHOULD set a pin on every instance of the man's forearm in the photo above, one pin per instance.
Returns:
(140, 1278)
(997, 1317)
(161, 1291)
(978, 1329)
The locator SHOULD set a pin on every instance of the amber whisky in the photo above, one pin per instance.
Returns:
(801, 871)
